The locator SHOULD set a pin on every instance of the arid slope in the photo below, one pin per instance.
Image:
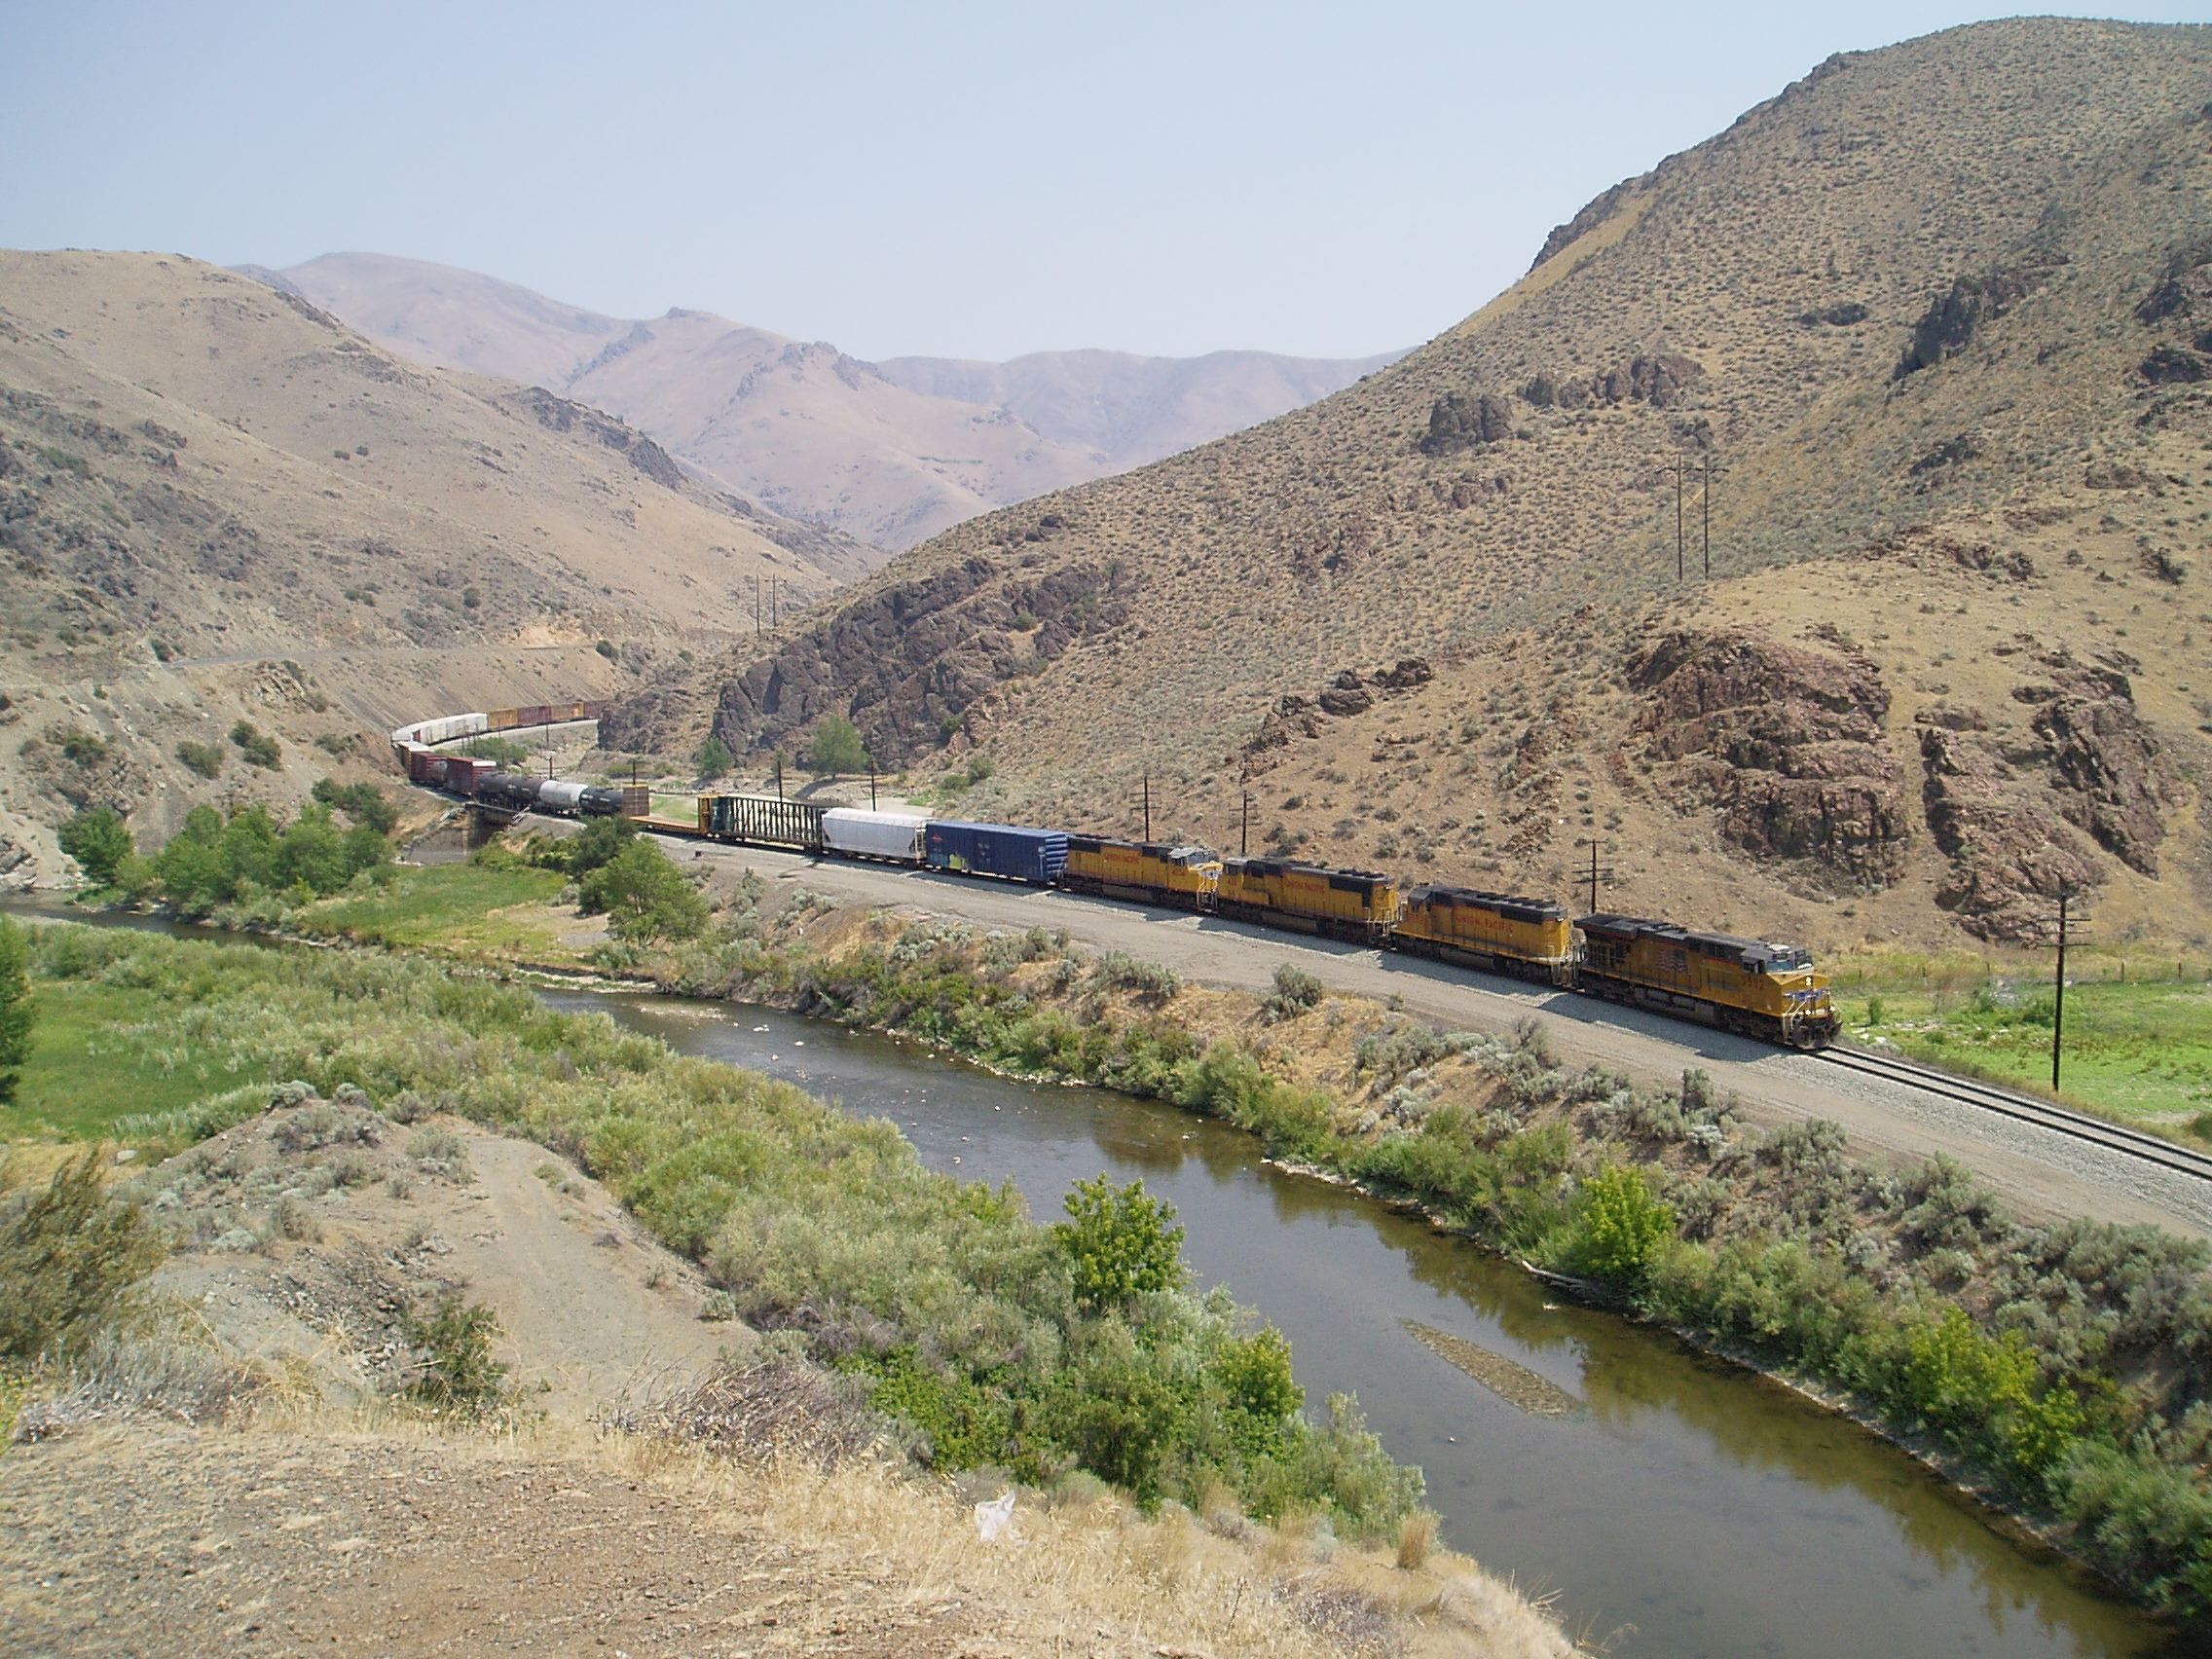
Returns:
(891, 453)
(202, 481)
(1943, 313)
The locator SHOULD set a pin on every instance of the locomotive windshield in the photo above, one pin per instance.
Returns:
(1786, 957)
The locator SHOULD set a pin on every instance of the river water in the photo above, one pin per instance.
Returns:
(1698, 1510)
(1689, 1508)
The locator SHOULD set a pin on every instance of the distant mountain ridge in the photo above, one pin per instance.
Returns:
(890, 453)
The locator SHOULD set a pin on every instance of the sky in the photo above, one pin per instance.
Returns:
(957, 179)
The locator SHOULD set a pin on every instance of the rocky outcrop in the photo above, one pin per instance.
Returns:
(1955, 318)
(2011, 854)
(1785, 745)
(905, 663)
(1350, 694)
(2107, 771)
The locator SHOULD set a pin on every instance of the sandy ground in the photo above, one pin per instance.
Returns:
(2042, 1174)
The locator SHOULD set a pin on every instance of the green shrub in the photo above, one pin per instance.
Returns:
(500, 751)
(364, 802)
(70, 1258)
(99, 839)
(1620, 1224)
(713, 759)
(451, 1363)
(836, 747)
(257, 746)
(1119, 1243)
(18, 1014)
(1296, 991)
(203, 758)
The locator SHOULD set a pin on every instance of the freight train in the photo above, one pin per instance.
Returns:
(1758, 987)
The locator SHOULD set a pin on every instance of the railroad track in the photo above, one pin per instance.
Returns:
(2079, 1125)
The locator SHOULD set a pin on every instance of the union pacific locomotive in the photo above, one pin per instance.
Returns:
(1758, 987)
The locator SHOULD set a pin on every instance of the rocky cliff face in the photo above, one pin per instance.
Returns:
(1784, 743)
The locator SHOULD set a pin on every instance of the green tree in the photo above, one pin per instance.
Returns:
(1121, 1243)
(364, 802)
(836, 747)
(16, 1014)
(99, 839)
(258, 747)
(643, 895)
(1622, 1225)
(713, 759)
(598, 843)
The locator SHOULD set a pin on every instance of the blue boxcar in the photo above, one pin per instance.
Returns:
(997, 849)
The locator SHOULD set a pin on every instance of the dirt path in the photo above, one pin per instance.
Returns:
(166, 1541)
(2040, 1174)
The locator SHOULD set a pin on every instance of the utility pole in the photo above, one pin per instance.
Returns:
(756, 606)
(1244, 827)
(1712, 472)
(778, 774)
(775, 616)
(1148, 805)
(1594, 874)
(872, 783)
(2059, 993)
(1681, 469)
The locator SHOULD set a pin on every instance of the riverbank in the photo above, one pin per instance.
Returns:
(820, 1227)
(2055, 1370)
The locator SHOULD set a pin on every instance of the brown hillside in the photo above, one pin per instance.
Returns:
(1944, 314)
(200, 478)
(892, 452)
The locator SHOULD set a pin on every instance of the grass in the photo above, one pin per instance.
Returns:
(680, 806)
(98, 1053)
(467, 911)
(2134, 1049)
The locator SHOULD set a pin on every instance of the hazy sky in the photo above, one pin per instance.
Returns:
(959, 180)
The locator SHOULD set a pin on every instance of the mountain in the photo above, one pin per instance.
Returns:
(218, 501)
(891, 453)
(1942, 315)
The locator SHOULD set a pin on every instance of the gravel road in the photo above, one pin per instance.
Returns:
(2041, 1173)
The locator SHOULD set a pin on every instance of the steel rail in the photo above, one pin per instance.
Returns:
(2060, 1120)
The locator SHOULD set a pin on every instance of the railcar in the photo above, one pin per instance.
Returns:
(1353, 904)
(518, 790)
(1502, 933)
(1759, 987)
(889, 838)
(1010, 851)
(1142, 872)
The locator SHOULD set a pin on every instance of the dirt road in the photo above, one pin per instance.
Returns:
(2042, 1174)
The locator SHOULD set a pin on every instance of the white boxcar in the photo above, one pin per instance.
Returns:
(557, 797)
(860, 834)
(450, 726)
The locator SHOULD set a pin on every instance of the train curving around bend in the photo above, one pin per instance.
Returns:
(1757, 987)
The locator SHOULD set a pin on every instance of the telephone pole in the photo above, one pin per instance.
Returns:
(1594, 874)
(1681, 471)
(1245, 826)
(2059, 993)
(1148, 805)
(1711, 472)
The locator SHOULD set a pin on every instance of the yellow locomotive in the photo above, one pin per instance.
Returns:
(1343, 903)
(1146, 872)
(1760, 988)
(1530, 937)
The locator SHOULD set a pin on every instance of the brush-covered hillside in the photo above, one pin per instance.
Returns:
(891, 453)
(1943, 314)
(218, 503)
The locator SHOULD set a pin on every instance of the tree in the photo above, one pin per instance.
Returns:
(17, 1014)
(643, 895)
(1121, 1243)
(1622, 1224)
(99, 839)
(712, 758)
(599, 842)
(836, 747)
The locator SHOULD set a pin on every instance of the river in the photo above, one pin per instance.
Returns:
(1698, 1510)
(1684, 1507)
